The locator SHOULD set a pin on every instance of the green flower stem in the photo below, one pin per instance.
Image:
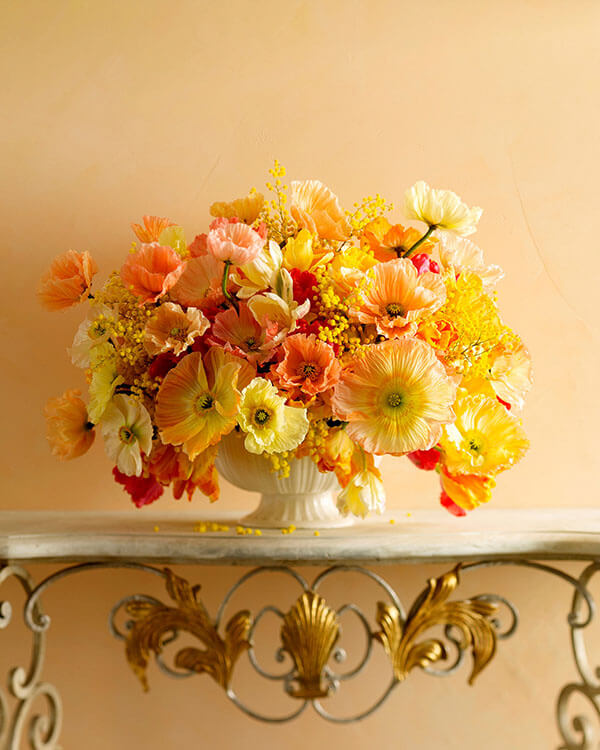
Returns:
(228, 297)
(411, 250)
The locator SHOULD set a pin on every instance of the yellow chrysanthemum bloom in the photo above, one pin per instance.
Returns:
(442, 209)
(197, 401)
(484, 439)
(269, 424)
(395, 398)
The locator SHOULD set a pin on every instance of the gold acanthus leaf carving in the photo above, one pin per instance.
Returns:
(308, 633)
(154, 621)
(471, 617)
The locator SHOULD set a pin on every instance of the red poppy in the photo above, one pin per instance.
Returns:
(143, 490)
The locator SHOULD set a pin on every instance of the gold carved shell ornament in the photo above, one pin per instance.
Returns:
(309, 632)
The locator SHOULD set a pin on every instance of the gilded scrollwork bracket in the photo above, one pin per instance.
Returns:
(435, 634)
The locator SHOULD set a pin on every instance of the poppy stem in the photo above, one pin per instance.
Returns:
(228, 297)
(411, 250)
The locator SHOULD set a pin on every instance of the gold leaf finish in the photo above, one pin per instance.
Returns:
(309, 632)
(471, 617)
(155, 622)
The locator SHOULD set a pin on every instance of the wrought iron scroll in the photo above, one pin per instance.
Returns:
(25, 684)
(436, 634)
(580, 733)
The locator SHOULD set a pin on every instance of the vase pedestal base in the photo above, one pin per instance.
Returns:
(314, 510)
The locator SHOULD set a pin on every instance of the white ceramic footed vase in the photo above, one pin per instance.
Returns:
(305, 499)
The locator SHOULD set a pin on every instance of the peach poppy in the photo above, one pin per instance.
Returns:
(510, 374)
(68, 281)
(389, 242)
(316, 208)
(198, 401)
(219, 357)
(68, 429)
(233, 241)
(308, 367)
(151, 271)
(241, 331)
(200, 283)
(395, 398)
(172, 329)
(397, 296)
(152, 229)
(462, 255)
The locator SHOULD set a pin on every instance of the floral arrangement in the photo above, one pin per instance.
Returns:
(301, 330)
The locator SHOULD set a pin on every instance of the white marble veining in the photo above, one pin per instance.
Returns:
(417, 536)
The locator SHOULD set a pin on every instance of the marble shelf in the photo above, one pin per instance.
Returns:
(80, 541)
(418, 536)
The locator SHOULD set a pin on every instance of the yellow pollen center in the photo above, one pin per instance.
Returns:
(394, 400)
(126, 435)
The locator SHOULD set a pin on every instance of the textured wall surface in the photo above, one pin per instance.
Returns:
(116, 109)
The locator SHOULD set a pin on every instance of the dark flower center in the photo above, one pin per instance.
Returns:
(394, 310)
(394, 400)
(126, 435)
(261, 416)
(204, 401)
(309, 370)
